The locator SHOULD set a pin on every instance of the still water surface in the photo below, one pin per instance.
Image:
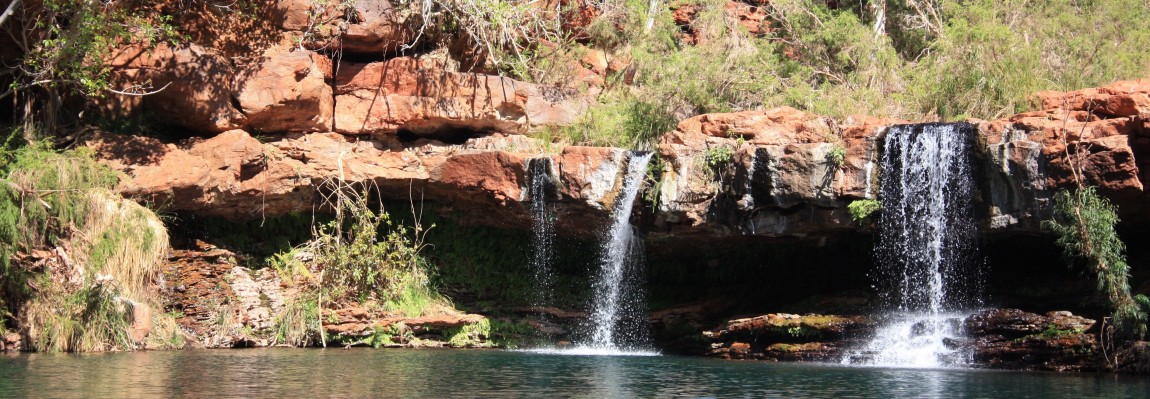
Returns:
(304, 373)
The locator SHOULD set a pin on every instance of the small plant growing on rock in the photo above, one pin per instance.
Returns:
(718, 156)
(837, 156)
(863, 211)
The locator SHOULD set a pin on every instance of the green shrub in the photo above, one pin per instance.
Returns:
(63, 202)
(1084, 222)
(837, 155)
(470, 335)
(863, 211)
(718, 156)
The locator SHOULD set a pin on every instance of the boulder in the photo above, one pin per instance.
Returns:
(1014, 323)
(140, 317)
(287, 91)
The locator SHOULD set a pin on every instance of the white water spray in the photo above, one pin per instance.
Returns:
(926, 247)
(618, 308)
(540, 186)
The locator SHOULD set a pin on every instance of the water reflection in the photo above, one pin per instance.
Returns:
(434, 373)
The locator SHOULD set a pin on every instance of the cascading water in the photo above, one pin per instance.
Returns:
(927, 271)
(618, 317)
(541, 185)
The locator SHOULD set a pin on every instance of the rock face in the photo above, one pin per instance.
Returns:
(420, 97)
(196, 86)
(777, 172)
(288, 91)
(221, 305)
(235, 176)
(1103, 131)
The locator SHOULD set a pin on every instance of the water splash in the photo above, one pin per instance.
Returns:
(541, 185)
(618, 317)
(927, 271)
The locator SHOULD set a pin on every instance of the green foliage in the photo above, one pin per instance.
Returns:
(654, 183)
(512, 335)
(1084, 222)
(954, 59)
(91, 319)
(718, 156)
(63, 201)
(354, 255)
(620, 120)
(485, 266)
(837, 155)
(44, 197)
(64, 47)
(862, 211)
(470, 335)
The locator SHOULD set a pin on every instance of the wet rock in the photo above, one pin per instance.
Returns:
(1014, 339)
(10, 342)
(1136, 358)
(787, 337)
(778, 173)
(351, 325)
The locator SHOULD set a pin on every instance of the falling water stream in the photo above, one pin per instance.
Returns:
(927, 272)
(618, 323)
(618, 298)
(541, 185)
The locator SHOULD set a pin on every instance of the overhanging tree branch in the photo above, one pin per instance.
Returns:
(9, 11)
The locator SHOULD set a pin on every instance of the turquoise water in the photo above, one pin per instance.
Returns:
(306, 373)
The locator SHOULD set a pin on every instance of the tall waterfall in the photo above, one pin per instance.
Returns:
(927, 270)
(618, 317)
(541, 185)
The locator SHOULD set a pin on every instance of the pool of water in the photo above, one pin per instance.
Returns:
(486, 373)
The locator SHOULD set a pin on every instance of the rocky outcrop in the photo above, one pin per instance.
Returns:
(220, 304)
(233, 175)
(1013, 339)
(788, 337)
(776, 172)
(1103, 132)
(369, 27)
(995, 338)
(422, 98)
(289, 91)
(194, 86)
(359, 326)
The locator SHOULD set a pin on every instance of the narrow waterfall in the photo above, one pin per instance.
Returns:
(927, 271)
(541, 185)
(618, 317)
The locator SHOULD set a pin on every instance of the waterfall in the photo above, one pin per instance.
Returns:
(927, 273)
(541, 185)
(618, 314)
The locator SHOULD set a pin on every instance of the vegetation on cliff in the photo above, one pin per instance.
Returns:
(360, 258)
(75, 259)
(1084, 222)
(905, 59)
